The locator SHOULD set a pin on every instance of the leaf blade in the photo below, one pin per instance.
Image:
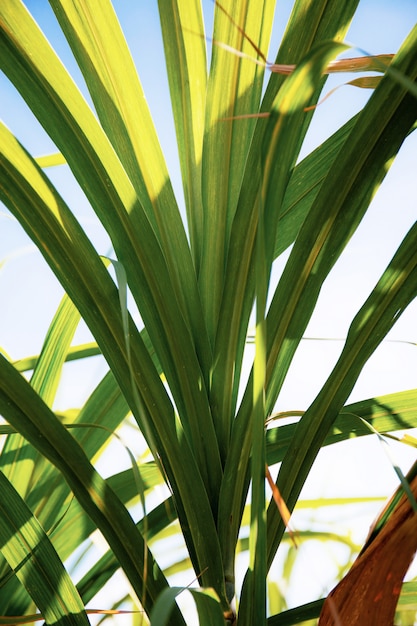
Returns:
(29, 552)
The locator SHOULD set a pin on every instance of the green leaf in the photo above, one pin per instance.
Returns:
(30, 553)
(102, 571)
(394, 291)
(208, 607)
(21, 463)
(99, 46)
(28, 466)
(47, 372)
(306, 180)
(376, 137)
(385, 413)
(297, 615)
(23, 408)
(50, 223)
(74, 353)
(282, 130)
(234, 87)
(185, 55)
(194, 286)
(308, 26)
(61, 109)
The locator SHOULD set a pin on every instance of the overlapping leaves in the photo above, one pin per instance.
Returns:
(246, 202)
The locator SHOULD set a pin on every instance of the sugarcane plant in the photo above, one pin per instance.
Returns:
(199, 280)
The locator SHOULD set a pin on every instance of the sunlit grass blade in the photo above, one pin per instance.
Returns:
(38, 567)
(73, 127)
(304, 185)
(104, 58)
(74, 353)
(50, 160)
(306, 180)
(194, 505)
(278, 158)
(99, 46)
(386, 414)
(282, 132)
(253, 601)
(101, 572)
(234, 86)
(185, 55)
(238, 292)
(83, 351)
(21, 463)
(62, 241)
(48, 369)
(360, 167)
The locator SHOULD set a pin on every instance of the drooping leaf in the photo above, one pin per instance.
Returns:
(385, 413)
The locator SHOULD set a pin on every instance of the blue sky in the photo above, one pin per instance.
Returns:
(30, 294)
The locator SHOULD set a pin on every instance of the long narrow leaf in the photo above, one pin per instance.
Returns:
(326, 20)
(61, 240)
(386, 414)
(28, 550)
(284, 123)
(44, 380)
(23, 408)
(379, 132)
(62, 110)
(395, 290)
(234, 87)
(103, 56)
(185, 55)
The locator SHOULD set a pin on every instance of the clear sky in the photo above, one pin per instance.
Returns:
(30, 294)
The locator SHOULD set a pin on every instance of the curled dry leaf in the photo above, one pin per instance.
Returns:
(368, 594)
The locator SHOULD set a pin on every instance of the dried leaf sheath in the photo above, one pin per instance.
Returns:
(368, 594)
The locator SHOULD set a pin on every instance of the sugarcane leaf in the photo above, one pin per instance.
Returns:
(325, 21)
(234, 87)
(386, 414)
(207, 605)
(23, 408)
(29, 552)
(72, 125)
(27, 466)
(60, 238)
(103, 56)
(185, 55)
(396, 288)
